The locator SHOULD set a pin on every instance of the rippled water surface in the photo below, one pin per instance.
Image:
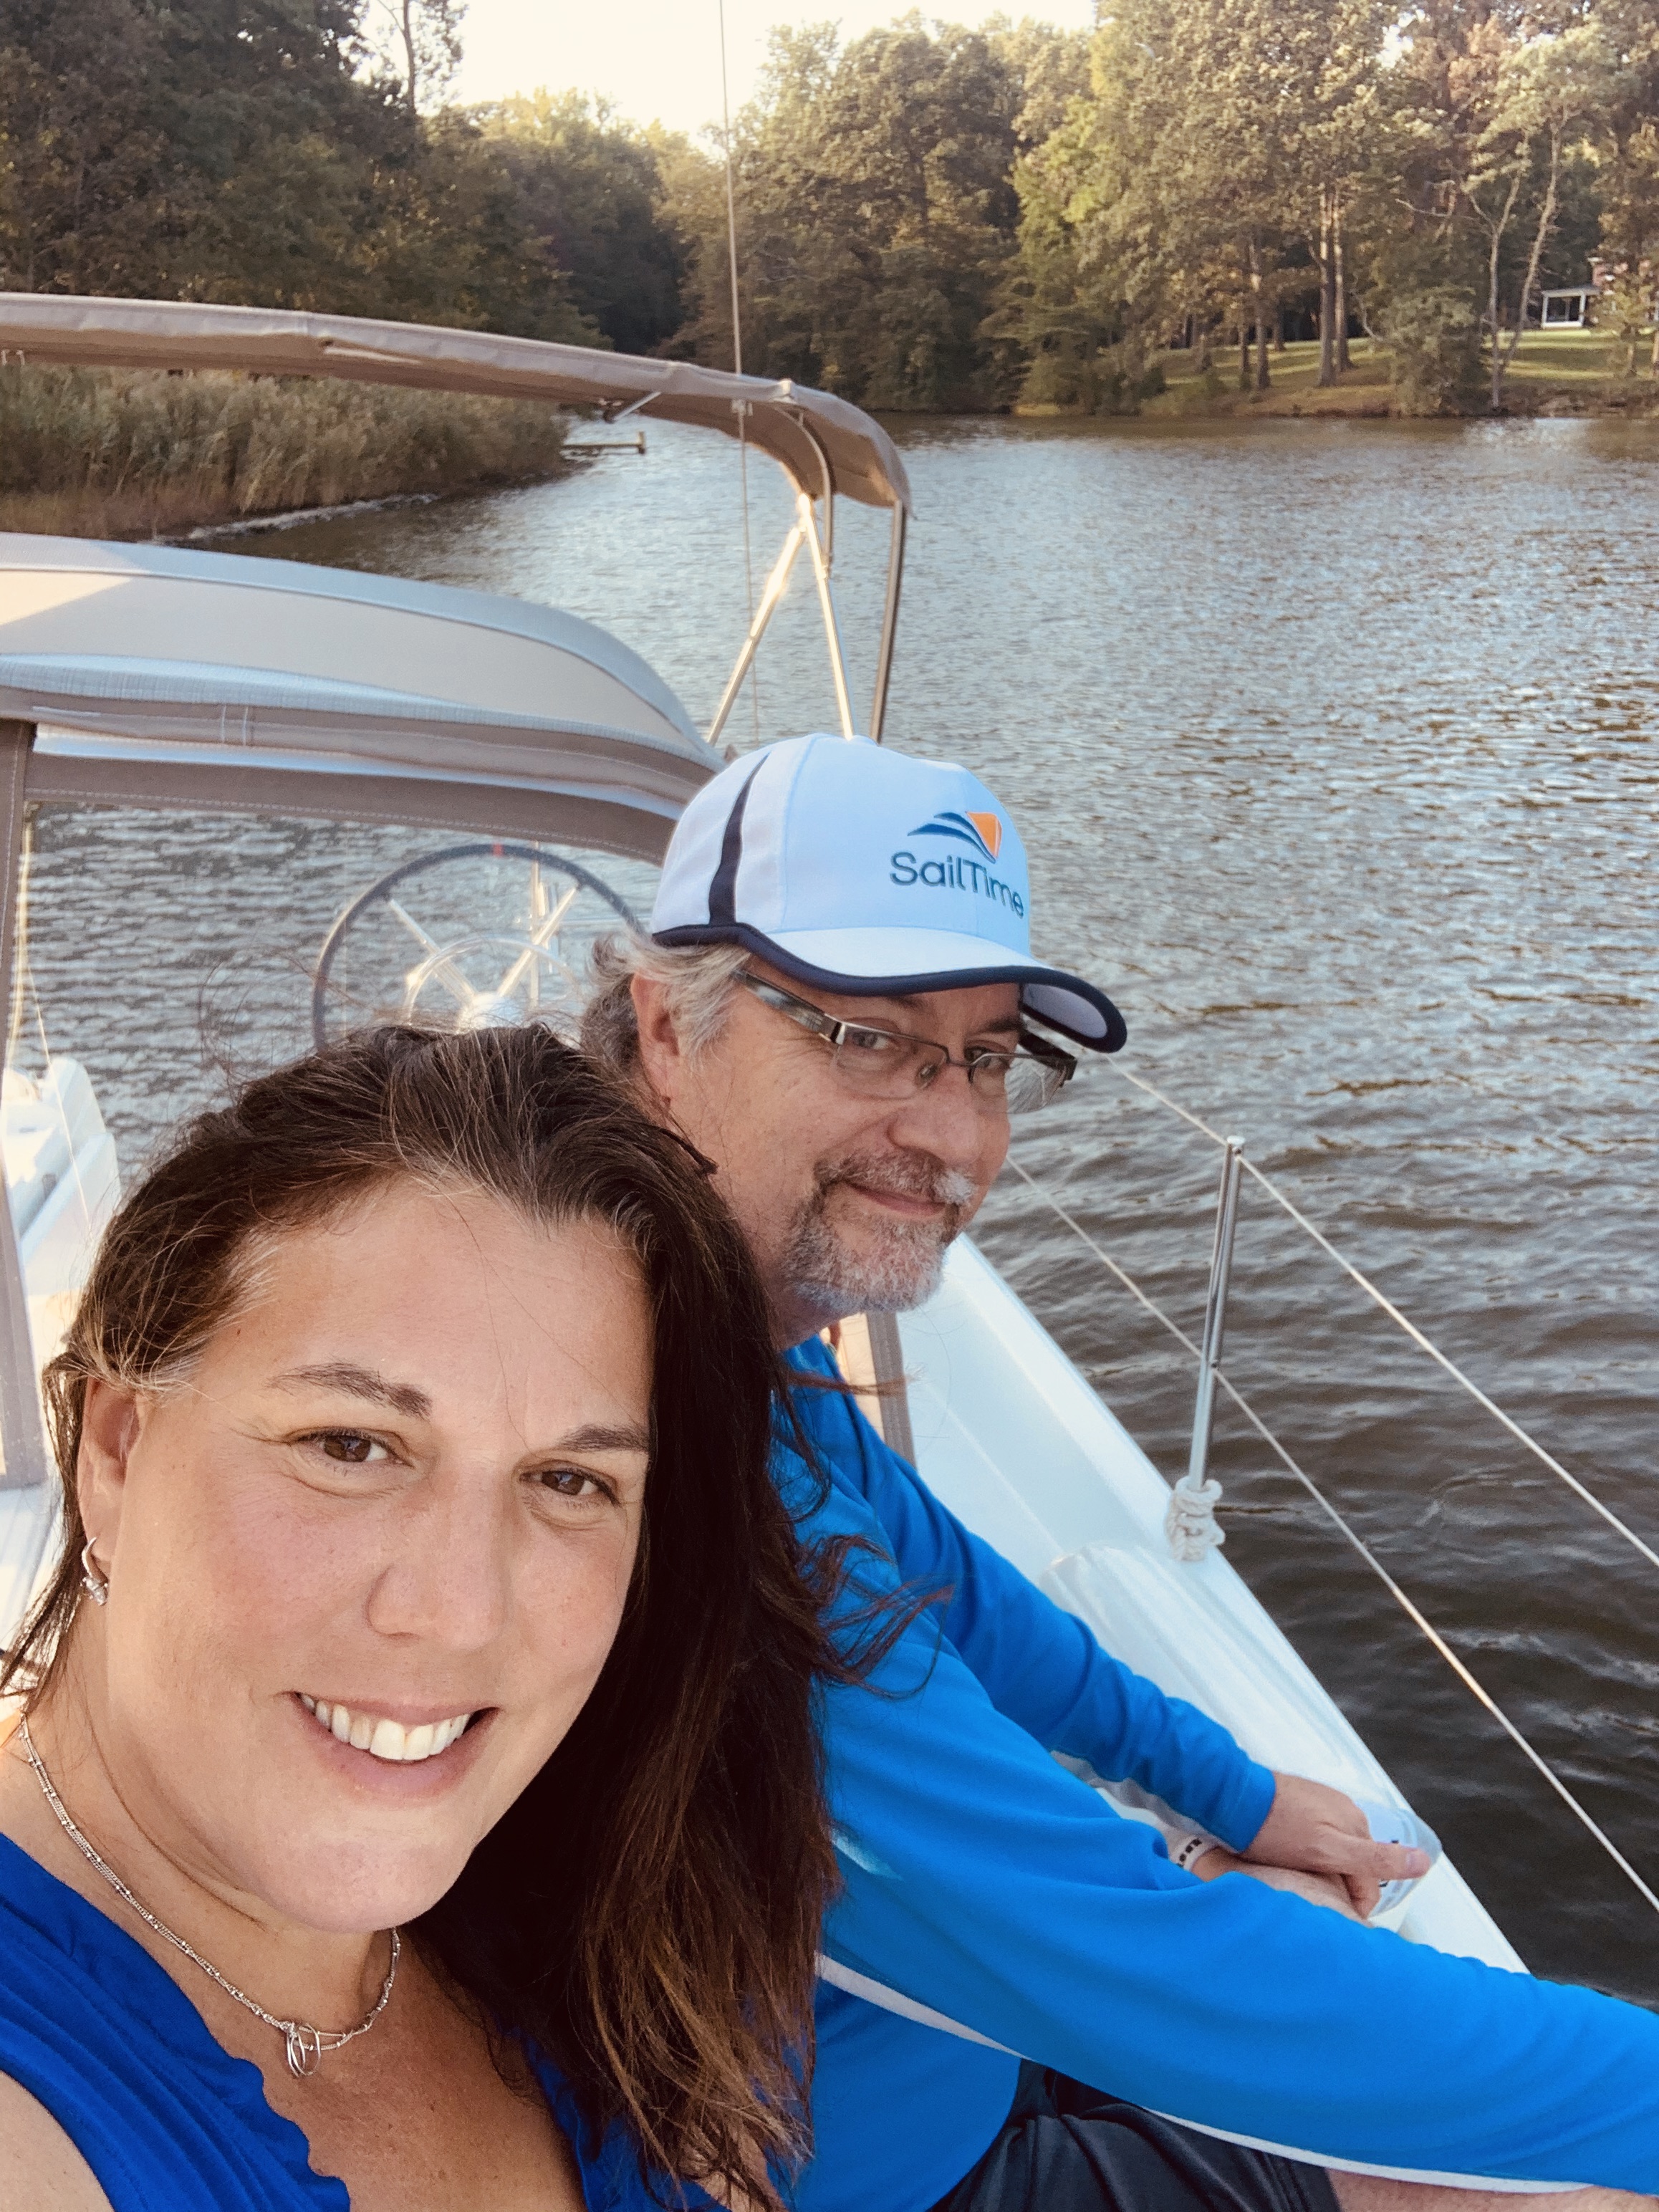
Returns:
(1336, 750)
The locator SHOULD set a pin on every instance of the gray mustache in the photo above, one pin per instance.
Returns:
(905, 1176)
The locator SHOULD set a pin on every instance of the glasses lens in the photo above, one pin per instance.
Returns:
(1033, 1082)
(878, 1062)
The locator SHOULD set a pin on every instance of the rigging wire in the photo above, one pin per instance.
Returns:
(1413, 1612)
(1380, 1299)
(740, 405)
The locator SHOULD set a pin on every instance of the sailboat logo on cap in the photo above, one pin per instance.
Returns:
(982, 830)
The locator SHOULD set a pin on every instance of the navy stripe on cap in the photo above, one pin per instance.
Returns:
(723, 890)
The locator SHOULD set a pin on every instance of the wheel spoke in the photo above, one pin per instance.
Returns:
(540, 938)
(443, 971)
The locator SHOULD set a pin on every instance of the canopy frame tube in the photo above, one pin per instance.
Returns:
(889, 626)
(769, 601)
(21, 1435)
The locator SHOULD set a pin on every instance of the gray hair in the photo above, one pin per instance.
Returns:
(696, 979)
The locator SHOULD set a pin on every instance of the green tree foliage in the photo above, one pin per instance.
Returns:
(1627, 180)
(927, 217)
(248, 151)
(589, 189)
(1425, 173)
(877, 212)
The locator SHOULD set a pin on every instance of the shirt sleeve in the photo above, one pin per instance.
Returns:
(983, 1881)
(1038, 1664)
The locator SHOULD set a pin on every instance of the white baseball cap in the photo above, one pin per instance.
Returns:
(861, 870)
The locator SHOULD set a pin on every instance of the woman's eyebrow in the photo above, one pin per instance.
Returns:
(596, 1437)
(354, 1382)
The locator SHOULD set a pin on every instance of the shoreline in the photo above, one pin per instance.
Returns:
(1568, 373)
(1339, 406)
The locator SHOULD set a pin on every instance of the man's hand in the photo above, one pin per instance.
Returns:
(1318, 1830)
(1327, 1889)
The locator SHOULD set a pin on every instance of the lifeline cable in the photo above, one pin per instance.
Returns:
(1411, 1611)
(1401, 1320)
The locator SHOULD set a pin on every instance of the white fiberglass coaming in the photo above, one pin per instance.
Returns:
(194, 682)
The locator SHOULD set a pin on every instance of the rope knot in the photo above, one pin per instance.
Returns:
(1190, 1523)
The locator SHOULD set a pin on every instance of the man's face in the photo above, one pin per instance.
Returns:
(848, 1201)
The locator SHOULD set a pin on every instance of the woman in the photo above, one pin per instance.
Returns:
(420, 1710)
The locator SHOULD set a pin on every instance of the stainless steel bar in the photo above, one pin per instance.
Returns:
(889, 626)
(764, 613)
(887, 1356)
(22, 1441)
(828, 477)
(1215, 1307)
(831, 621)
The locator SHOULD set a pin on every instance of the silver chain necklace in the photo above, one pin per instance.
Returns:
(305, 2044)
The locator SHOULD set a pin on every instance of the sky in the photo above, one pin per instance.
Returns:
(660, 59)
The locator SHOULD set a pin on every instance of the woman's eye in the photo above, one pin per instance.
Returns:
(573, 1482)
(348, 1445)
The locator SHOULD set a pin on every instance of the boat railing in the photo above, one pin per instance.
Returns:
(1191, 1524)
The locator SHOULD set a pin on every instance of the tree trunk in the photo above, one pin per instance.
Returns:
(1654, 363)
(1279, 328)
(1340, 288)
(1203, 345)
(1260, 302)
(1500, 360)
(1243, 349)
(406, 23)
(1501, 357)
(1326, 291)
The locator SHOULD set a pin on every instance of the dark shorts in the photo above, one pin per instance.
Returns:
(1066, 2148)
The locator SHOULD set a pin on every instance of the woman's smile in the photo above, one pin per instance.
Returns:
(383, 1737)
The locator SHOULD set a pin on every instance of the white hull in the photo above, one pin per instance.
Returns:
(1010, 1436)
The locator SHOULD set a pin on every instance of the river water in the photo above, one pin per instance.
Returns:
(1336, 750)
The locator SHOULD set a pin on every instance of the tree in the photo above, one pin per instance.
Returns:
(245, 151)
(590, 190)
(876, 212)
(1543, 88)
(84, 168)
(1628, 182)
(419, 42)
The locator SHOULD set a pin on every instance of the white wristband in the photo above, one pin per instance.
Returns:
(1186, 1854)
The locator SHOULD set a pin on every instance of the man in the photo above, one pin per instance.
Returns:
(835, 1005)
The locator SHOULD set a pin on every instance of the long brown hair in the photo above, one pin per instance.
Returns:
(648, 1911)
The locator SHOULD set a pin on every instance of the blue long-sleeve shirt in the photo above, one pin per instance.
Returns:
(986, 1883)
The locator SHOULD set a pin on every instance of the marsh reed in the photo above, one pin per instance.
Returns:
(139, 453)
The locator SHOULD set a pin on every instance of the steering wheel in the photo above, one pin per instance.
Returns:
(473, 972)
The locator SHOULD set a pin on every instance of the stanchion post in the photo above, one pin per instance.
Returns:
(1215, 1309)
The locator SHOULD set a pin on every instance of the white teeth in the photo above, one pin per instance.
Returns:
(387, 1738)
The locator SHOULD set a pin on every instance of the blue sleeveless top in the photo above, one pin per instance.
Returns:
(167, 2120)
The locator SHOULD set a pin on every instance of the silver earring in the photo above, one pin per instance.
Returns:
(92, 1582)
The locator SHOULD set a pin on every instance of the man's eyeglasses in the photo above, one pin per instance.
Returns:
(888, 1064)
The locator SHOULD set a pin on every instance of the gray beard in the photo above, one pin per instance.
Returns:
(902, 1269)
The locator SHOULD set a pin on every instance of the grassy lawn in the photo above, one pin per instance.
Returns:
(1569, 357)
(1576, 368)
(1294, 389)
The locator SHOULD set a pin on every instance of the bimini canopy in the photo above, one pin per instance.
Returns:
(162, 678)
(825, 444)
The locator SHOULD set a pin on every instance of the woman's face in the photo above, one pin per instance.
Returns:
(366, 1565)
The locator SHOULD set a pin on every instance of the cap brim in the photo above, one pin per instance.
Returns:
(864, 962)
